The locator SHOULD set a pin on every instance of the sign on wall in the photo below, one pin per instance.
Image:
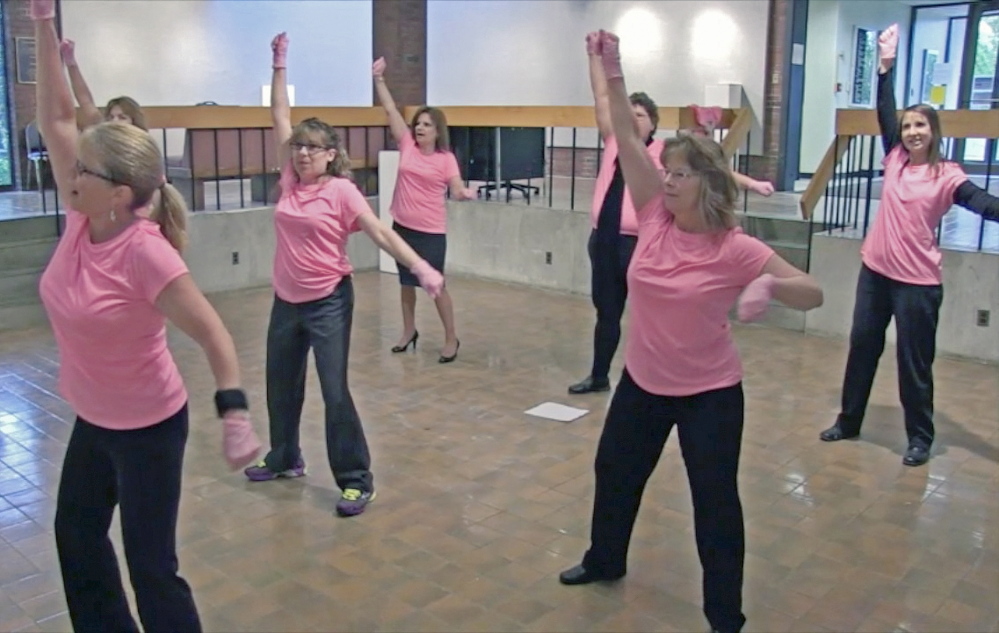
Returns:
(865, 64)
(25, 59)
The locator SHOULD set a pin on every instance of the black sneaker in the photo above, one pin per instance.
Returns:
(916, 455)
(590, 385)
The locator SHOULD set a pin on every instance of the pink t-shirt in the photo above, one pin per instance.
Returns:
(681, 287)
(115, 368)
(312, 224)
(418, 202)
(901, 244)
(629, 223)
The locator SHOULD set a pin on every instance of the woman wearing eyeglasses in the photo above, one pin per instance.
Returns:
(691, 262)
(427, 169)
(320, 206)
(111, 284)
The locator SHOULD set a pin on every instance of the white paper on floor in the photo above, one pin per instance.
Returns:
(556, 411)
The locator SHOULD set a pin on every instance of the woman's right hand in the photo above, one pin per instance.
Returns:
(42, 10)
(610, 55)
(279, 47)
(888, 47)
(378, 68)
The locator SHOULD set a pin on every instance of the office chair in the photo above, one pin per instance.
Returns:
(37, 153)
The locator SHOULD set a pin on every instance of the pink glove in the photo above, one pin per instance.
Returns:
(42, 9)
(239, 441)
(610, 55)
(430, 280)
(279, 45)
(755, 299)
(763, 188)
(888, 43)
(593, 43)
(67, 48)
(378, 68)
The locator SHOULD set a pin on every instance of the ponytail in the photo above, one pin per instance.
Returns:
(170, 213)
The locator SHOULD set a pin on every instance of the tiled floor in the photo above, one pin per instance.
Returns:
(480, 506)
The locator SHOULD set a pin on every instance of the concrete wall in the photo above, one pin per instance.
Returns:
(971, 283)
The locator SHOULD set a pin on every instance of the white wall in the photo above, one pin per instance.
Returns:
(181, 52)
(829, 61)
(532, 52)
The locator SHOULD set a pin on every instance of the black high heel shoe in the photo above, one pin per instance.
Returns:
(450, 359)
(412, 341)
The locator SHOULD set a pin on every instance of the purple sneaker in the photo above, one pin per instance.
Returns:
(353, 501)
(260, 471)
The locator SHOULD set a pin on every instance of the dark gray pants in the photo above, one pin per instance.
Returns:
(324, 325)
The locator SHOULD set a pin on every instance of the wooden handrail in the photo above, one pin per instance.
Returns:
(851, 124)
(226, 117)
(953, 123)
(817, 185)
(737, 132)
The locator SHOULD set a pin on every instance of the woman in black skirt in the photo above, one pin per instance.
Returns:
(427, 169)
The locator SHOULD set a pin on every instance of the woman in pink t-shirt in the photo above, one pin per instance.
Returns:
(112, 282)
(320, 206)
(901, 271)
(682, 367)
(427, 170)
(613, 223)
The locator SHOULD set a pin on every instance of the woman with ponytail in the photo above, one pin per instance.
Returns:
(319, 208)
(114, 279)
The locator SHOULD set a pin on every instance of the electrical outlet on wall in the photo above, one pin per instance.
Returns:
(982, 318)
(235, 258)
(548, 257)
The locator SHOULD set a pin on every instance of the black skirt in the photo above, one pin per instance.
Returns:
(430, 246)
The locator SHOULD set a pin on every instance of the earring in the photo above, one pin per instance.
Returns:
(114, 218)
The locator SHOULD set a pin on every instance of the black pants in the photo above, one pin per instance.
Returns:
(140, 471)
(609, 291)
(916, 310)
(324, 325)
(710, 428)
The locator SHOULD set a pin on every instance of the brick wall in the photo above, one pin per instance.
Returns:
(766, 166)
(400, 36)
(562, 157)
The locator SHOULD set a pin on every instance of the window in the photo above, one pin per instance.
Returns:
(6, 151)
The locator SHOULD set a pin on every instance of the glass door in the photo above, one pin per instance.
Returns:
(6, 147)
(980, 83)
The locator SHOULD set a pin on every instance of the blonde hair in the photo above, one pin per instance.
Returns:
(131, 108)
(339, 167)
(129, 157)
(719, 192)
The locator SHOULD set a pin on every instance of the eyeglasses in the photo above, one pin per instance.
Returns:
(679, 176)
(82, 169)
(311, 148)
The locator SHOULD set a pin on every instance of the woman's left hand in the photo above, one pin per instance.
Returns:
(755, 298)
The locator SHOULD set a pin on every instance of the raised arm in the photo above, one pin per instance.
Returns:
(90, 114)
(397, 124)
(55, 113)
(974, 198)
(640, 173)
(761, 187)
(887, 109)
(598, 83)
(280, 106)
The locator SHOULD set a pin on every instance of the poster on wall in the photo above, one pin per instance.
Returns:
(865, 63)
(24, 58)
(926, 83)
